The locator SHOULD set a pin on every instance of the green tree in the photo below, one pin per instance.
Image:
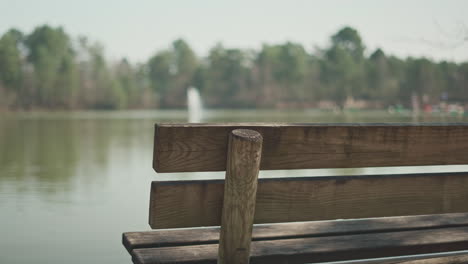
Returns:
(10, 59)
(10, 67)
(281, 72)
(349, 39)
(459, 91)
(160, 76)
(291, 72)
(51, 54)
(343, 66)
(383, 84)
(229, 78)
(421, 79)
(172, 72)
(109, 93)
(265, 64)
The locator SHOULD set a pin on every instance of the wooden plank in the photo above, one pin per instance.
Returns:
(240, 190)
(203, 147)
(198, 236)
(459, 259)
(450, 257)
(320, 249)
(199, 203)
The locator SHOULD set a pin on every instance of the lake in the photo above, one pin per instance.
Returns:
(71, 183)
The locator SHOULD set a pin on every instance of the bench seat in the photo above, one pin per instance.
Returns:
(305, 242)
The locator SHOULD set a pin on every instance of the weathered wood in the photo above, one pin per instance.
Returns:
(203, 147)
(317, 249)
(199, 203)
(459, 259)
(240, 189)
(199, 236)
(450, 257)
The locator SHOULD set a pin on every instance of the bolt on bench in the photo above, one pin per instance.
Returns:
(390, 215)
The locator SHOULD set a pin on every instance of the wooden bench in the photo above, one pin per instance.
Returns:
(296, 218)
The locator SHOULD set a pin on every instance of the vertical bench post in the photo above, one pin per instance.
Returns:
(240, 189)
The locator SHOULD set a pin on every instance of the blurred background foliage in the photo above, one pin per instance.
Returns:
(48, 69)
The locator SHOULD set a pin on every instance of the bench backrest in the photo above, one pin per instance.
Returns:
(203, 147)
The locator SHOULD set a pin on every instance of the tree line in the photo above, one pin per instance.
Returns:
(47, 69)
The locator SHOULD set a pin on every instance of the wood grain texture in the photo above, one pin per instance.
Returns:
(199, 203)
(240, 190)
(203, 147)
(450, 257)
(320, 249)
(459, 259)
(199, 236)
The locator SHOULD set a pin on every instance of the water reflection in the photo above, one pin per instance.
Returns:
(53, 151)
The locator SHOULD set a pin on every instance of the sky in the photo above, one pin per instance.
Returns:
(137, 29)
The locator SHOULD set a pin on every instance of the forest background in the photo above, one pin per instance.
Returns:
(47, 69)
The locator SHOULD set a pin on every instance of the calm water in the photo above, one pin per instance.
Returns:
(71, 183)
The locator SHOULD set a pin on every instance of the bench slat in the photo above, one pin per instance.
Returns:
(203, 147)
(320, 249)
(450, 257)
(199, 203)
(461, 259)
(197, 236)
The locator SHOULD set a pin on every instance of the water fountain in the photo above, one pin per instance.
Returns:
(195, 107)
